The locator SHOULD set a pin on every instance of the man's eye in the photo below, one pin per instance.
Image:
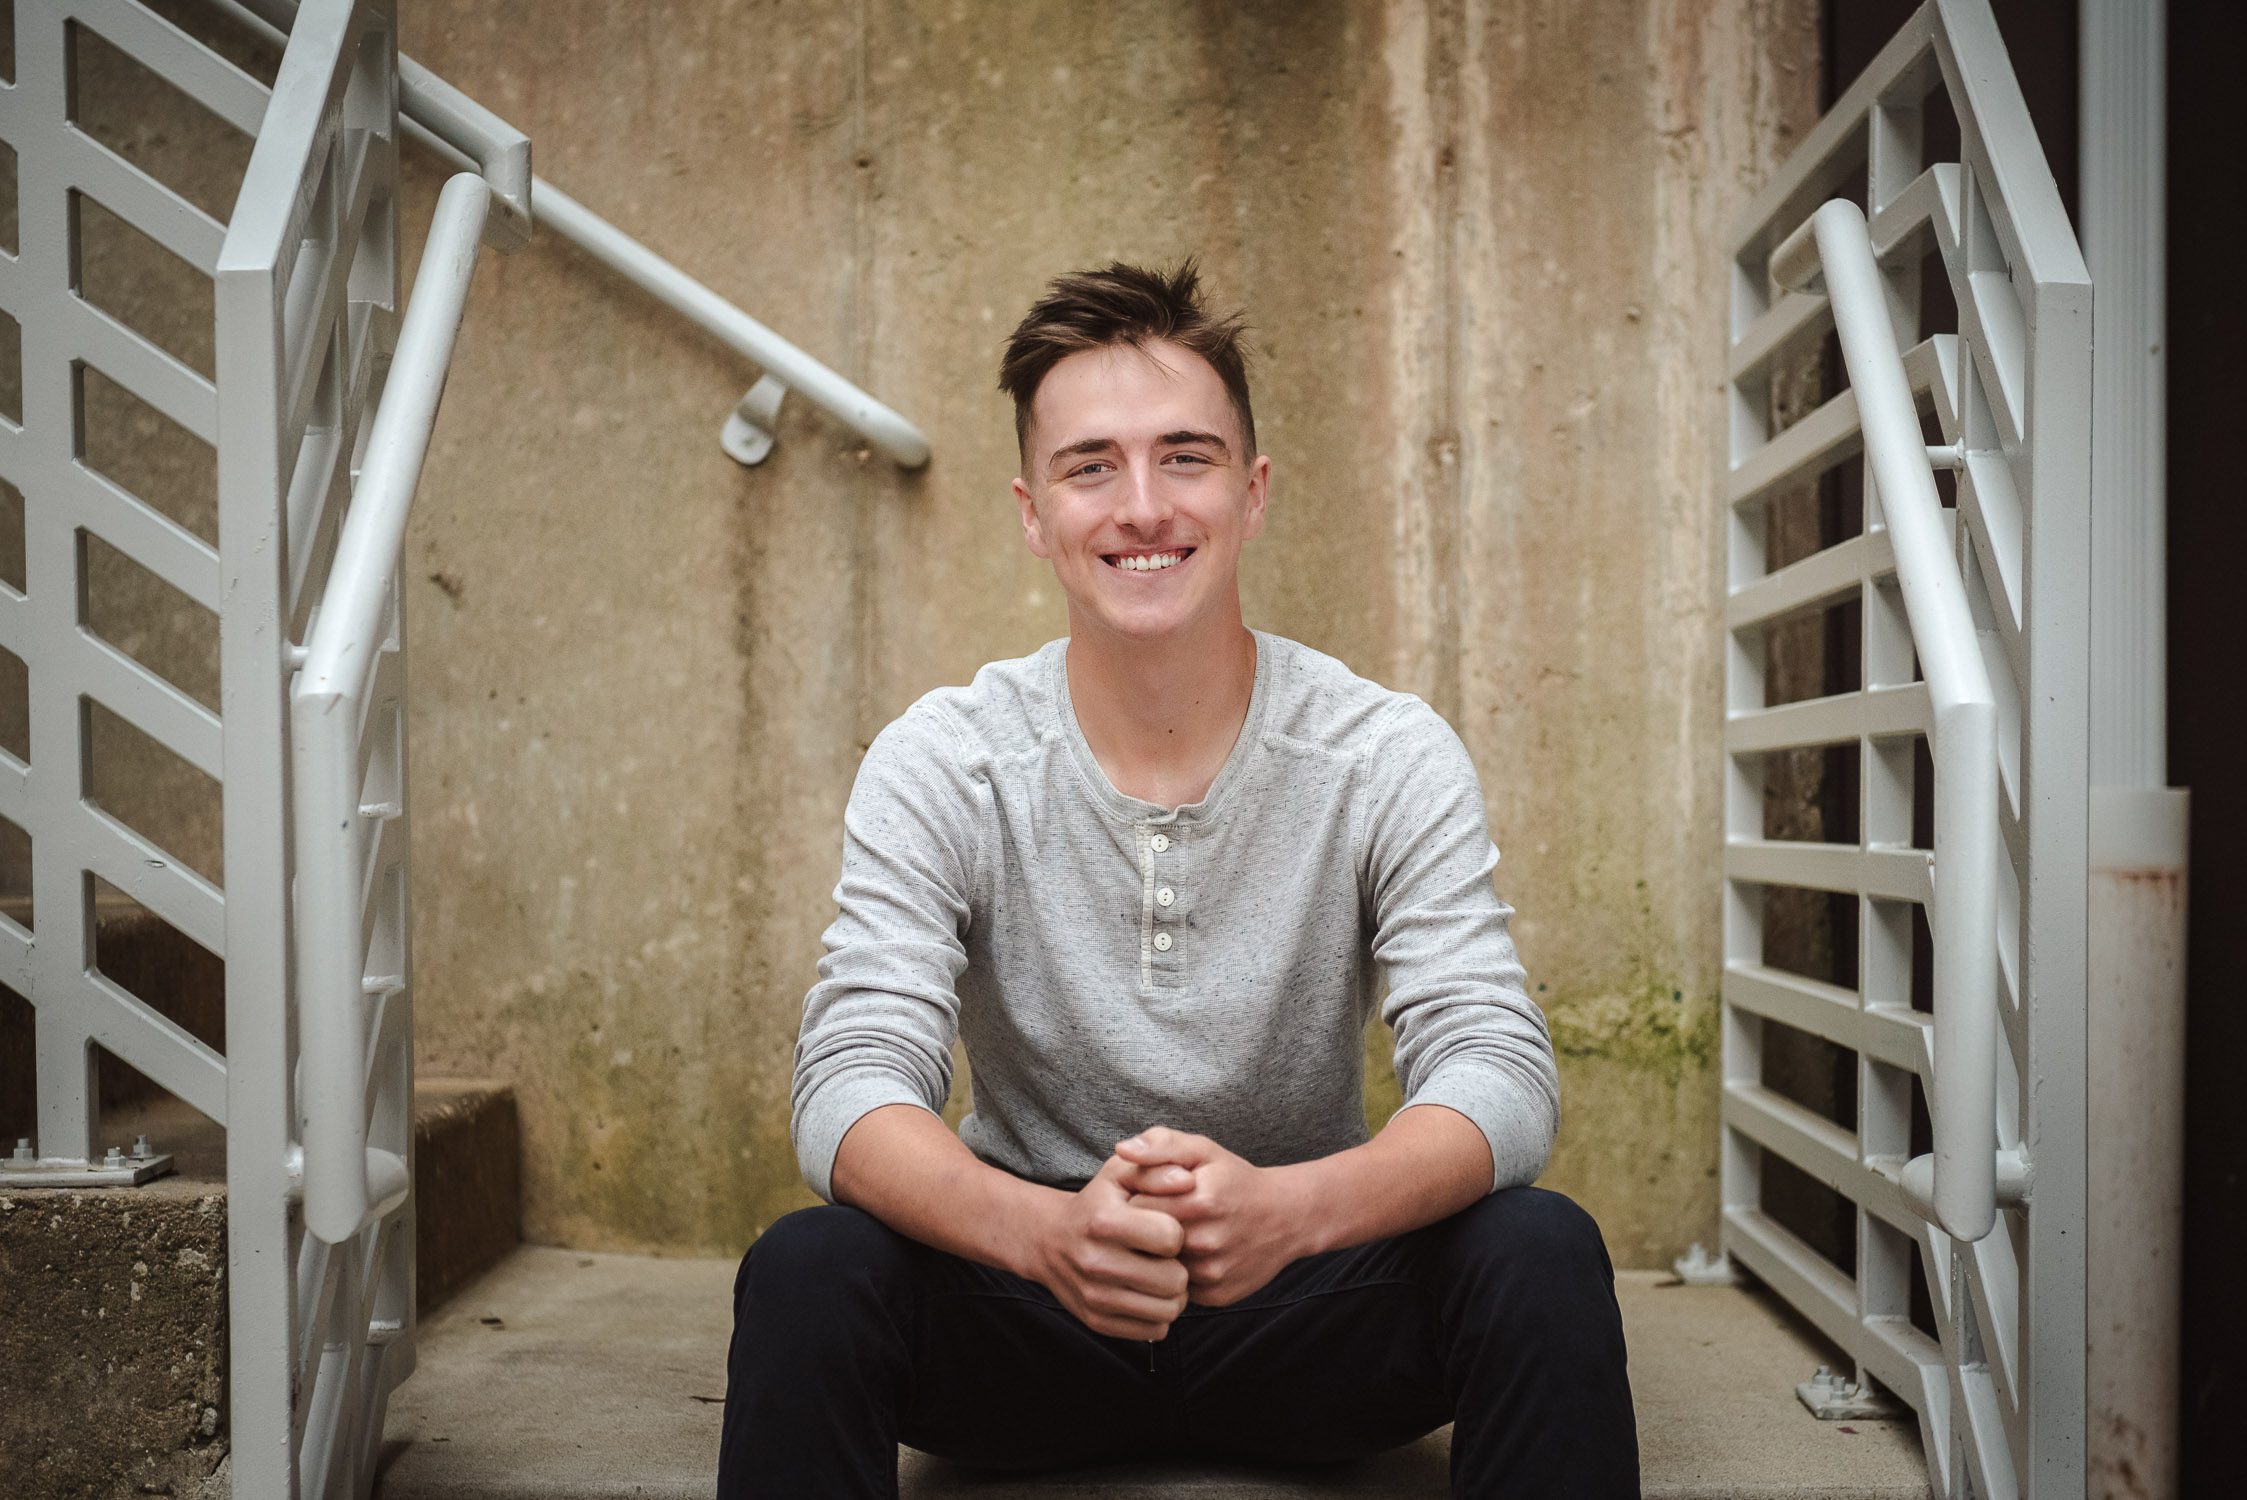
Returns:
(1098, 463)
(1191, 457)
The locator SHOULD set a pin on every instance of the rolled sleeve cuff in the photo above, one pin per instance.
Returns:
(829, 1114)
(1518, 1126)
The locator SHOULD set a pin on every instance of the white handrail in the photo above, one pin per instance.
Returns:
(470, 137)
(1959, 1189)
(898, 439)
(344, 1181)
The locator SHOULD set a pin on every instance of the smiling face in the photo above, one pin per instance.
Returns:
(1135, 488)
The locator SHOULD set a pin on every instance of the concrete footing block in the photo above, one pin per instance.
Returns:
(113, 1299)
(112, 1341)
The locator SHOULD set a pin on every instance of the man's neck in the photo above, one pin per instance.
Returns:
(1161, 716)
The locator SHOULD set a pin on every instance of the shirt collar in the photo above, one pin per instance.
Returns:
(1138, 810)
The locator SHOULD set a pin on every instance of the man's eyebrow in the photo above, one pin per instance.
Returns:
(1204, 439)
(1082, 446)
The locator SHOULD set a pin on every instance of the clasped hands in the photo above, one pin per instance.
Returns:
(1171, 1217)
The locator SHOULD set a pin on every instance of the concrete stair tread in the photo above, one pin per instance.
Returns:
(467, 1179)
(567, 1375)
(197, 1145)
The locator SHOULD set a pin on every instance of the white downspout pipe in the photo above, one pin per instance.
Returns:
(2138, 833)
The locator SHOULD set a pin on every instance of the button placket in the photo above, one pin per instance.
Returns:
(1165, 895)
(1157, 899)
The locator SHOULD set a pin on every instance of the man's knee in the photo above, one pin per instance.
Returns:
(828, 1245)
(1545, 1233)
(1543, 1217)
(1531, 1262)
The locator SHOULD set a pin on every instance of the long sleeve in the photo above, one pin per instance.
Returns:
(1467, 1033)
(879, 1025)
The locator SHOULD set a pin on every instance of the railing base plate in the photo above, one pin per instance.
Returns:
(62, 1172)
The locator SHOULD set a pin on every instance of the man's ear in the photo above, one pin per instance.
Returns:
(1259, 490)
(1033, 529)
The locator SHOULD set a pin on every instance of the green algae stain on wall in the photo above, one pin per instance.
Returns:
(652, 1158)
(616, 1114)
(1649, 1027)
(1638, 1112)
(769, 1182)
(761, 1180)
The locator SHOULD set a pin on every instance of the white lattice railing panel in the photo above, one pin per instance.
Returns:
(73, 512)
(1987, 593)
(304, 283)
(314, 408)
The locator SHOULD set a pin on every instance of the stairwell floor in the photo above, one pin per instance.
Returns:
(569, 1376)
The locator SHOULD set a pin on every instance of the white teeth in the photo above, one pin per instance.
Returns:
(1153, 564)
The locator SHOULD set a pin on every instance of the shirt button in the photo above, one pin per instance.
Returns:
(1165, 896)
(1161, 841)
(1162, 942)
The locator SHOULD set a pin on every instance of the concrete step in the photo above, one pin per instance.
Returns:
(468, 1184)
(467, 1172)
(565, 1375)
(113, 1300)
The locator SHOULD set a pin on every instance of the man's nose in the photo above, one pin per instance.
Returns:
(1145, 506)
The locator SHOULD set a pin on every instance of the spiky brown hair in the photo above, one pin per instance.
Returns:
(1124, 304)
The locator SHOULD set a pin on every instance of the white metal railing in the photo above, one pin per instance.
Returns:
(320, 414)
(308, 298)
(1987, 601)
(67, 663)
(305, 289)
(455, 127)
(1957, 1185)
(478, 140)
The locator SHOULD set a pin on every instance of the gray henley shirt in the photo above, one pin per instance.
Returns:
(1113, 964)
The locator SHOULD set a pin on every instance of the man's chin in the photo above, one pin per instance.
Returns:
(1144, 626)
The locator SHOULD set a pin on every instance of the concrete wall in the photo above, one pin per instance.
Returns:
(1483, 253)
(1483, 250)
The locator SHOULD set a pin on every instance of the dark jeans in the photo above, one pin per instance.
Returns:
(850, 1337)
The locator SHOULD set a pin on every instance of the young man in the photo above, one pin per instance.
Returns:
(1151, 873)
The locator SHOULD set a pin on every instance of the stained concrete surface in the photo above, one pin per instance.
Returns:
(468, 1175)
(1482, 250)
(566, 1376)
